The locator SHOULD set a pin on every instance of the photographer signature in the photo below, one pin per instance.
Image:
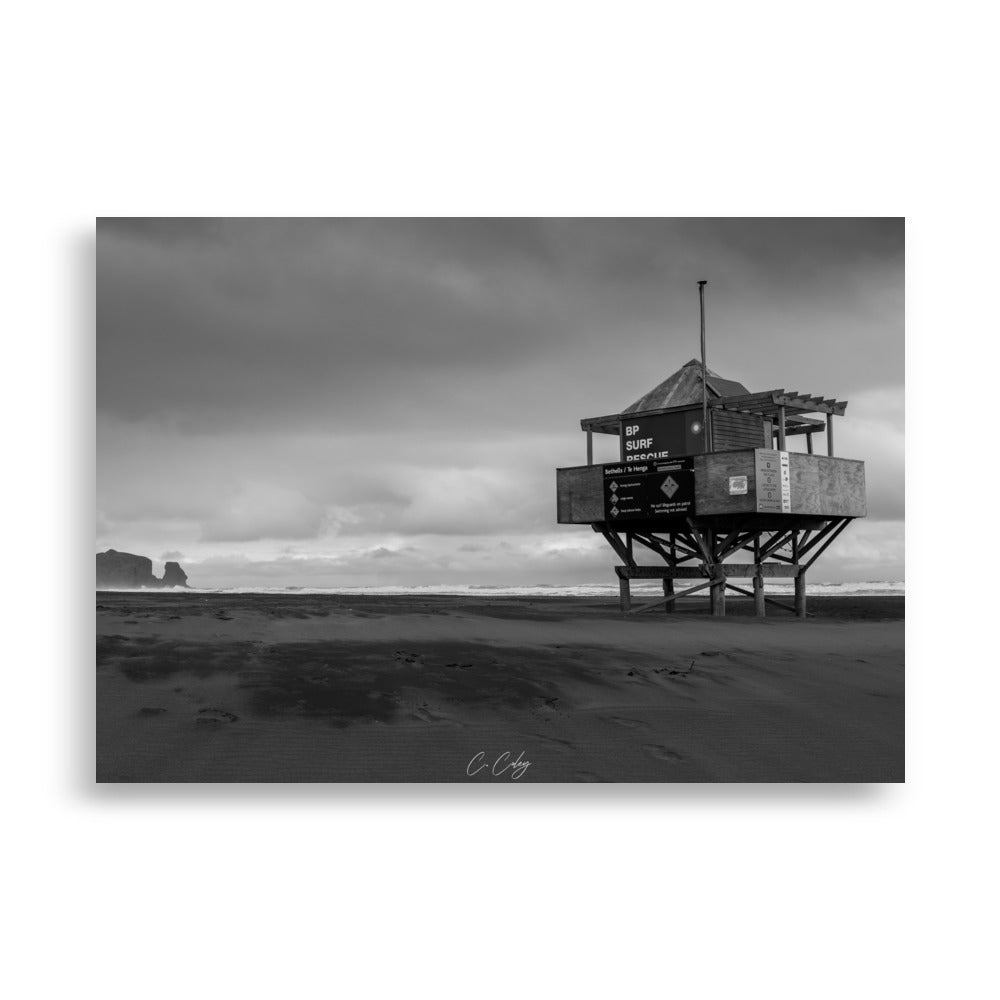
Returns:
(500, 766)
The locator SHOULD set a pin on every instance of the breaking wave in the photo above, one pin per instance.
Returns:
(866, 588)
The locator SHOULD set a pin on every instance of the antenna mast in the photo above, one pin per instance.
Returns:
(704, 369)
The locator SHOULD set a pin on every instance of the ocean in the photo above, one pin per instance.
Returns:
(773, 588)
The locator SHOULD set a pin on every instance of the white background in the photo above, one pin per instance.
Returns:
(532, 109)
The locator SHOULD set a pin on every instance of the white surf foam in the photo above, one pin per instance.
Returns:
(866, 588)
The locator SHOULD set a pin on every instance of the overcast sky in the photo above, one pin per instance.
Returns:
(355, 402)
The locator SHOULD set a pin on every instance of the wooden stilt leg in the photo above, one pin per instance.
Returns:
(713, 591)
(624, 594)
(758, 581)
(800, 594)
(668, 585)
(719, 606)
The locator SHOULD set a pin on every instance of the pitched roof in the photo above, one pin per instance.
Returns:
(683, 388)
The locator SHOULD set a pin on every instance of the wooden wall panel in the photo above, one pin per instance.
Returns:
(580, 494)
(711, 483)
(737, 430)
(804, 474)
(821, 486)
(842, 486)
(827, 486)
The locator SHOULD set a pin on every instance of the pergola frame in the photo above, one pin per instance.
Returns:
(785, 409)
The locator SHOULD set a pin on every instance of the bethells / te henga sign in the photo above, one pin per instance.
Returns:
(636, 490)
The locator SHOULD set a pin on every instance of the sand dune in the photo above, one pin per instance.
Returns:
(318, 688)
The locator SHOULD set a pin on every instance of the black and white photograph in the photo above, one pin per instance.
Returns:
(500, 500)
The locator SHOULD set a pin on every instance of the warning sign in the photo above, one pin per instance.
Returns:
(774, 481)
(643, 490)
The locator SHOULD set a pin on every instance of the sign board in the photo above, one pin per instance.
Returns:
(774, 481)
(651, 439)
(641, 490)
(737, 486)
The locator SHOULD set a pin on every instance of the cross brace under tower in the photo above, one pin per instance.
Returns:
(696, 550)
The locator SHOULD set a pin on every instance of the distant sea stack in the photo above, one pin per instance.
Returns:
(123, 570)
(173, 575)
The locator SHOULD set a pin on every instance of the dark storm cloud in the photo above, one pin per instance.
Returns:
(293, 325)
(278, 322)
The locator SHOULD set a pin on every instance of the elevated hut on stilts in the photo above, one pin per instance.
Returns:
(706, 487)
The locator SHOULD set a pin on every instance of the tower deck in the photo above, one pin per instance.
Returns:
(779, 510)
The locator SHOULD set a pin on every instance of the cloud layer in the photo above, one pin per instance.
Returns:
(391, 397)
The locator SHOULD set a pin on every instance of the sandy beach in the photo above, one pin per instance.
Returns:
(222, 687)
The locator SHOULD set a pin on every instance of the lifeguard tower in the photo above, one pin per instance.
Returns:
(704, 477)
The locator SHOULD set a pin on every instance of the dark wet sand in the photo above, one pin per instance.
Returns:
(194, 687)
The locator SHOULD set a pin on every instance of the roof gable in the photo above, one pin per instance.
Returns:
(683, 388)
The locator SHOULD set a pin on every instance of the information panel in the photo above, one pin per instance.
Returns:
(637, 490)
(774, 481)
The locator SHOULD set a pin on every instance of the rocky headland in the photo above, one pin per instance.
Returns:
(126, 571)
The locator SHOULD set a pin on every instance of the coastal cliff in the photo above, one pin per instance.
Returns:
(123, 570)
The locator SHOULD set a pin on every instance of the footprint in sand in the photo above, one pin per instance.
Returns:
(543, 704)
(427, 714)
(675, 671)
(619, 720)
(555, 741)
(211, 716)
(662, 753)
